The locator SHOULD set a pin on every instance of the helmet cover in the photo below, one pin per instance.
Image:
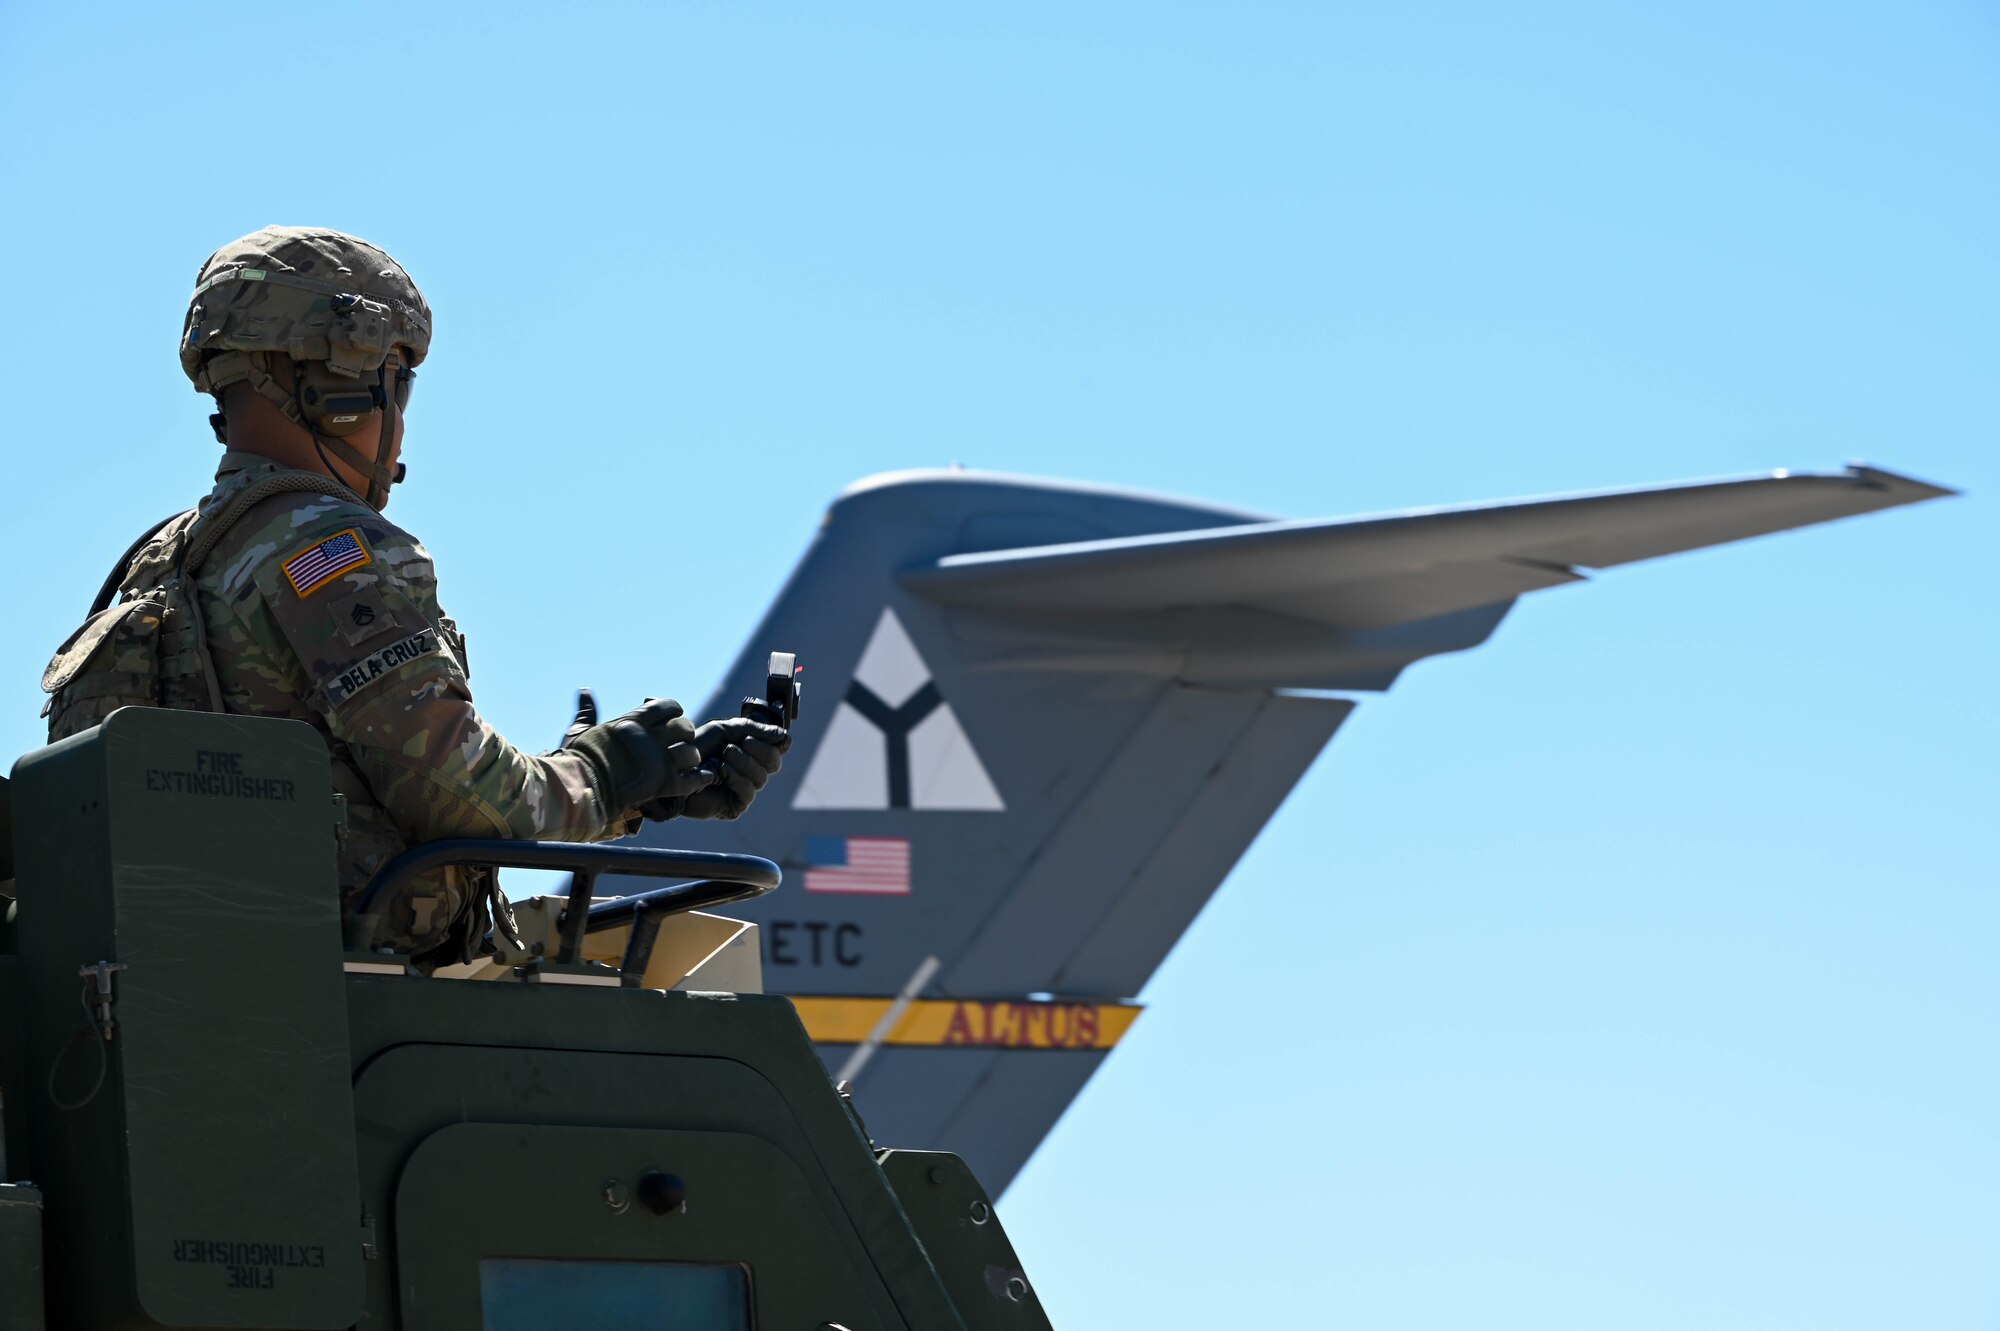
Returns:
(304, 292)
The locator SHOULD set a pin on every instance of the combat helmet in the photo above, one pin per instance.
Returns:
(337, 306)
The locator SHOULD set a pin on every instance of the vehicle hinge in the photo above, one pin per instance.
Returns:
(101, 973)
(846, 1093)
(369, 1252)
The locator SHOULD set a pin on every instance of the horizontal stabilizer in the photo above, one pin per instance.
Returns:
(1374, 572)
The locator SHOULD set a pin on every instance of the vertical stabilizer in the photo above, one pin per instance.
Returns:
(1044, 721)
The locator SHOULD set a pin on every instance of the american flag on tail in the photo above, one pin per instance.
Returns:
(866, 864)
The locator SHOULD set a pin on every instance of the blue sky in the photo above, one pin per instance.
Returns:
(1635, 969)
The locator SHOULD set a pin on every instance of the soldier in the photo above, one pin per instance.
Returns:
(298, 599)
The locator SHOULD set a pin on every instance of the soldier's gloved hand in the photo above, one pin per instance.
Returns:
(646, 755)
(738, 755)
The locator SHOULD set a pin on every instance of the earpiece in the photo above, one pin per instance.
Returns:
(341, 406)
(335, 405)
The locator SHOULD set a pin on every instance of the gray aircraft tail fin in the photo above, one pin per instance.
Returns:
(1043, 721)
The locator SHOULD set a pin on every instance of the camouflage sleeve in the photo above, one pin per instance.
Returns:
(355, 599)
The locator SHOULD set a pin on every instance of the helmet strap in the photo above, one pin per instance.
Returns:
(218, 372)
(375, 469)
(385, 438)
(257, 369)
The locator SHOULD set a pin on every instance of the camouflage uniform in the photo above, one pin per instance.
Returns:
(320, 610)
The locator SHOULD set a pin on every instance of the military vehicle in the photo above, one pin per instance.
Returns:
(222, 1108)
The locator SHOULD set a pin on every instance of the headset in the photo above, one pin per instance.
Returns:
(332, 398)
(337, 405)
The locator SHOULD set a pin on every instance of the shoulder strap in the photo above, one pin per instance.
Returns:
(213, 529)
(116, 577)
(195, 539)
(206, 531)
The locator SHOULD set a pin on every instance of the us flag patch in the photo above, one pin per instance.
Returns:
(873, 865)
(316, 565)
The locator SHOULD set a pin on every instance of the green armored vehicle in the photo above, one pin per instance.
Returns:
(221, 1109)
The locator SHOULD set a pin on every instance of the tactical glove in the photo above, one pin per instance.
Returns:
(738, 755)
(642, 757)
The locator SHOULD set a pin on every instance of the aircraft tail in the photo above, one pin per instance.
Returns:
(1043, 721)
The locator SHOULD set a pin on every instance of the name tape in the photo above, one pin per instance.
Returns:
(377, 664)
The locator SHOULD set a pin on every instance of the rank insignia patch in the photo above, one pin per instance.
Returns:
(316, 565)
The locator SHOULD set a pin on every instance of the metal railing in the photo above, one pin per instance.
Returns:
(717, 879)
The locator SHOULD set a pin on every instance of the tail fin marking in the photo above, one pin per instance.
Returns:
(894, 742)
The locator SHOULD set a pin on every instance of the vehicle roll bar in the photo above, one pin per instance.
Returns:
(718, 880)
